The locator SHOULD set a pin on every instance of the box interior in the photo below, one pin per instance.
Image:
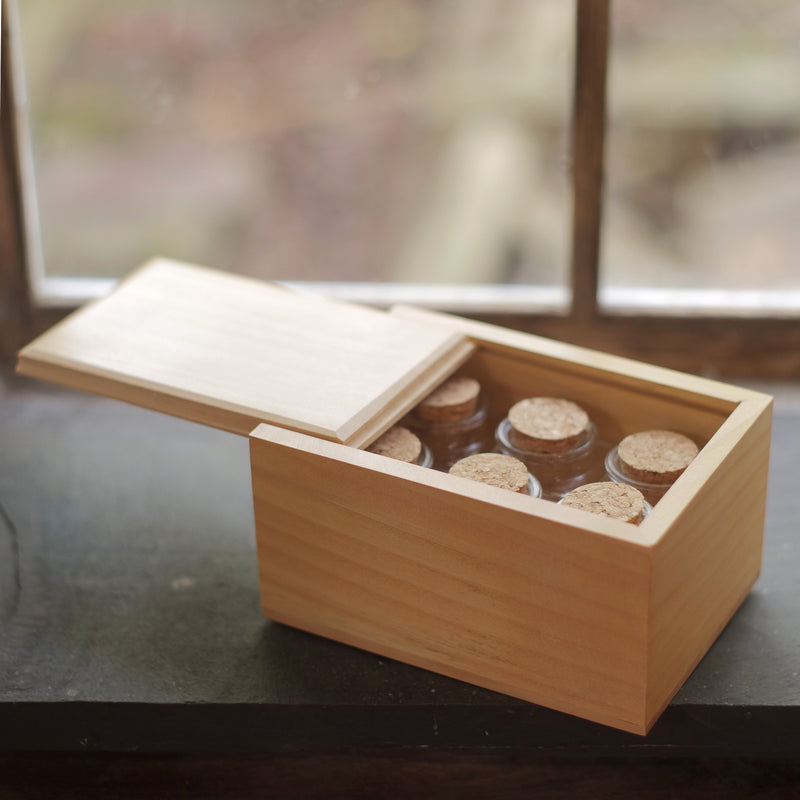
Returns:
(618, 404)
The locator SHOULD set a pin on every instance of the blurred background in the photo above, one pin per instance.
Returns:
(412, 141)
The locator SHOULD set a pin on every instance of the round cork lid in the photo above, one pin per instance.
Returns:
(608, 499)
(547, 424)
(506, 472)
(655, 456)
(455, 399)
(399, 443)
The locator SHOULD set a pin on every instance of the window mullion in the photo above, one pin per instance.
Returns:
(15, 310)
(588, 133)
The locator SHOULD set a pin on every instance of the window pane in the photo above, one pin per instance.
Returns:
(703, 150)
(359, 140)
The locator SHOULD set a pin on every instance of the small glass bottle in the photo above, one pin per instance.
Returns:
(609, 499)
(557, 441)
(496, 469)
(403, 445)
(453, 421)
(651, 461)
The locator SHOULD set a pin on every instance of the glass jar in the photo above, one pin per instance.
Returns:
(609, 499)
(453, 421)
(403, 445)
(497, 469)
(556, 440)
(651, 461)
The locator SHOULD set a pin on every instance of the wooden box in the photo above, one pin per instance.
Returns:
(587, 615)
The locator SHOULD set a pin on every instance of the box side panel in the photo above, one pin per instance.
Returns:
(581, 360)
(710, 557)
(484, 588)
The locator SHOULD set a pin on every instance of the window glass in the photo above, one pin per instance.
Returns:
(703, 149)
(344, 140)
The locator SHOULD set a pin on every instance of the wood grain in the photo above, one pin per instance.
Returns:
(711, 557)
(469, 580)
(579, 613)
(231, 352)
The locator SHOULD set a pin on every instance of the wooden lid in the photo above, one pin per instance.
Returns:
(231, 352)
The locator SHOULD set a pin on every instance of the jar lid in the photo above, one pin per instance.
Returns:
(608, 499)
(655, 456)
(495, 469)
(398, 443)
(548, 424)
(455, 399)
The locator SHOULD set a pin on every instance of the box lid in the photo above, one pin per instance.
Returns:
(231, 352)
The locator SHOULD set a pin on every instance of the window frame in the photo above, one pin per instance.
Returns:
(724, 344)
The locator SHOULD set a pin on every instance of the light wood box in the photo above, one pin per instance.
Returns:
(590, 616)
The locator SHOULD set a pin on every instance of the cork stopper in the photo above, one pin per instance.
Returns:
(399, 443)
(455, 399)
(506, 472)
(608, 499)
(655, 456)
(548, 424)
